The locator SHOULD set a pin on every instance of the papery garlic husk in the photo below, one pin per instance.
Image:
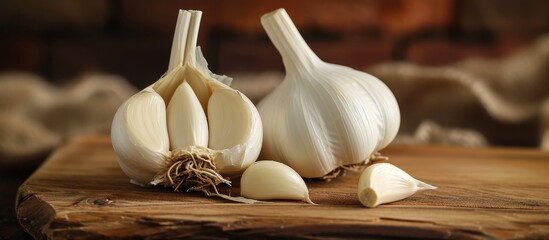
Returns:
(384, 183)
(269, 180)
(189, 128)
(322, 116)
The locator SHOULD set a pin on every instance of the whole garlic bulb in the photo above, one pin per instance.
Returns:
(188, 128)
(322, 116)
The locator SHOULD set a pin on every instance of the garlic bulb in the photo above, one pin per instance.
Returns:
(188, 128)
(322, 116)
(383, 183)
(265, 180)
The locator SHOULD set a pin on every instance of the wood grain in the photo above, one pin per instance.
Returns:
(80, 192)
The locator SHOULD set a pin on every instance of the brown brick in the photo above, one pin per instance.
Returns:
(156, 16)
(400, 17)
(47, 15)
(438, 52)
(354, 53)
(504, 17)
(140, 60)
(21, 54)
(160, 16)
(247, 56)
(396, 17)
(262, 55)
(244, 15)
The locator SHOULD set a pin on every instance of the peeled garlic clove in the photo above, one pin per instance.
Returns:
(140, 137)
(322, 116)
(268, 180)
(383, 183)
(187, 122)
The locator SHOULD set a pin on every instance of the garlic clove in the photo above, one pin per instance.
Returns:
(140, 137)
(229, 117)
(187, 122)
(167, 84)
(200, 84)
(269, 180)
(235, 129)
(383, 183)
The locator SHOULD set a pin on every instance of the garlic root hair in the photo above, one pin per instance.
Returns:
(341, 170)
(192, 168)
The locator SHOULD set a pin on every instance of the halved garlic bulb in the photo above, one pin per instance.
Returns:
(268, 180)
(188, 128)
(383, 183)
(322, 116)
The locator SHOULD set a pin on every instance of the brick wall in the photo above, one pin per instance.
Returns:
(62, 38)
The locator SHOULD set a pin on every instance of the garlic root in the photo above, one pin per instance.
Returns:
(192, 167)
(374, 158)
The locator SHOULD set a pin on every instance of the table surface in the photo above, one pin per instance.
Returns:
(484, 193)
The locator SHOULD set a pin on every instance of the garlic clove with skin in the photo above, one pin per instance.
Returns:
(230, 118)
(323, 116)
(189, 128)
(383, 183)
(201, 86)
(234, 122)
(270, 180)
(144, 142)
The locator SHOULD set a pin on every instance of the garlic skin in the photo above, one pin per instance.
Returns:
(322, 116)
(188, 115)
(268, 180)
(383, 183)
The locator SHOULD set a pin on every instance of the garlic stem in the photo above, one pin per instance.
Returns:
(184, 43)
(296, 54)
(192, 38)
(179, 40)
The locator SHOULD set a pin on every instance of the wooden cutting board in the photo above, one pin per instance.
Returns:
(80, 192)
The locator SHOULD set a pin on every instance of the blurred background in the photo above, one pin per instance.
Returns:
(465, 73)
